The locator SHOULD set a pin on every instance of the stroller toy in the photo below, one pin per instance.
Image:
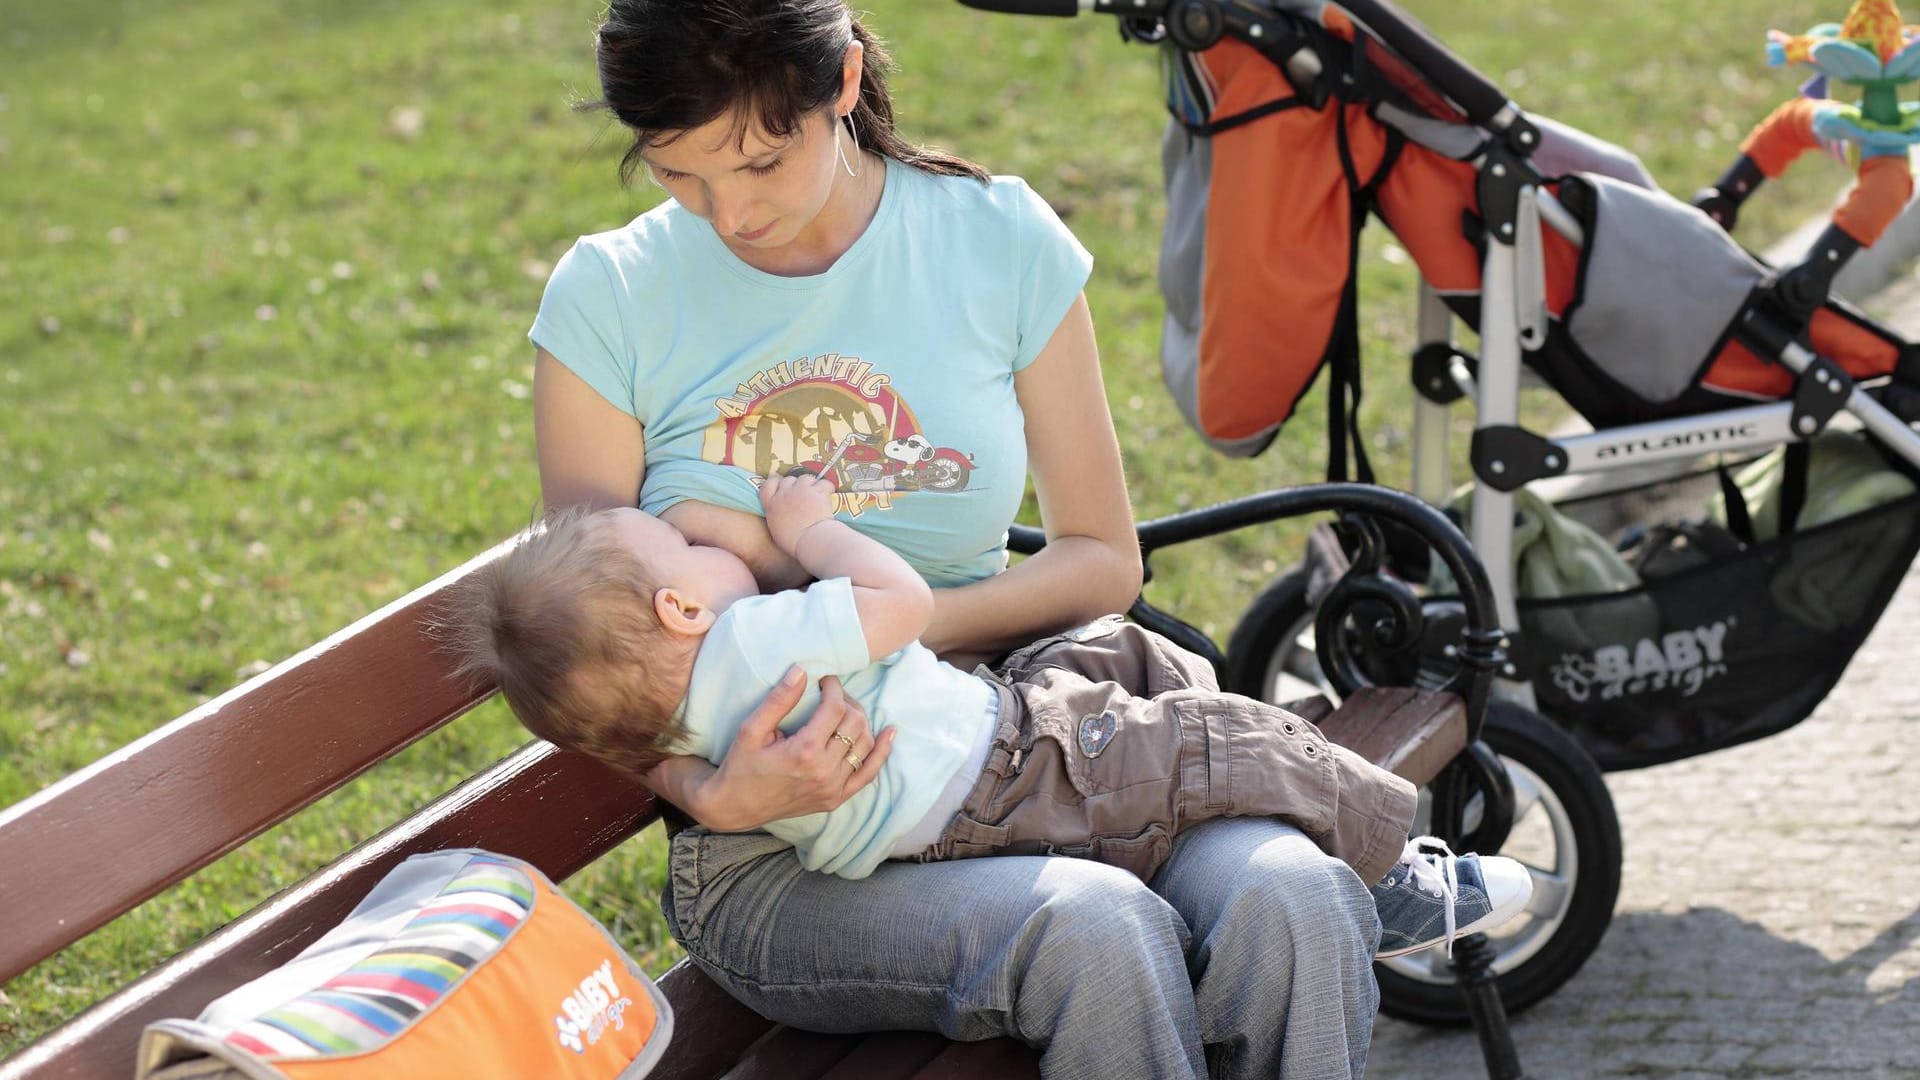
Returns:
(1872, 50)
(1876, 53)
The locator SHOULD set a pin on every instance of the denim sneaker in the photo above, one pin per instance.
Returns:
(1433, 896)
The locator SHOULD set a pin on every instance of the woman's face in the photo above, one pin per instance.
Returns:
(760, 191)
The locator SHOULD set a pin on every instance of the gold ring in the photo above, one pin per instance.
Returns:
(844, 739)
(853, 760)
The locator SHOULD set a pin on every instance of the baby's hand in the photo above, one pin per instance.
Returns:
(794, 504)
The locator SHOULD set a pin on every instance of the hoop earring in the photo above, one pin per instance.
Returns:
(841, 148)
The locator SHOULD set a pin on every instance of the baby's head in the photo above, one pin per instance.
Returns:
(589, 627)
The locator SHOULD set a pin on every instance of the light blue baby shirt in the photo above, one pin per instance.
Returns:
(939, 710)
(892, 371)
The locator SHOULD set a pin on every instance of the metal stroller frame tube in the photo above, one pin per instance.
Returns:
(1436, 387)
(1560, 219)
(1511, 200)
(1477, 96)
(1877, 418)
(1757, 427)
(1498, 403)
(1068, 8)
(1432, 465)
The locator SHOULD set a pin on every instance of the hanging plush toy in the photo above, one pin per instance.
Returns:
(1873, 53)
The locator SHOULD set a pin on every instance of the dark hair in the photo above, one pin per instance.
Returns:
(669, 66)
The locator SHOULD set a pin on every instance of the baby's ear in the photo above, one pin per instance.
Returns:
(681, 613)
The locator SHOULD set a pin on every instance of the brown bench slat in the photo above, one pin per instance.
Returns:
(1001, 1059)
(1411, 733)
(711, 1029)
(188, 793)
(889, 1055)
(1313, 710)
(785, 1053)
(558, 811)
(714, 1034)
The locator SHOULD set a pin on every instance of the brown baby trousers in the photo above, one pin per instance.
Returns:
(1111, 739)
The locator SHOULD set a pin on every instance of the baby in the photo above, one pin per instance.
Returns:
(610, 634)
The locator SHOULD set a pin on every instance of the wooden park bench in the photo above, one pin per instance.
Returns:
(93, 846)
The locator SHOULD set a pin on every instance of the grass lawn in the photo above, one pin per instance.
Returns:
(265, 281)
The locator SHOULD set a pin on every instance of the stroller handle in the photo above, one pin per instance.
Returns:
(1070, 7)
(1482, 101)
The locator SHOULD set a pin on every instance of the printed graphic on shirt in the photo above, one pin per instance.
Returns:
(833, 416)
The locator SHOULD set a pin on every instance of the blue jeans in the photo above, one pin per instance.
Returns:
(1248, 955)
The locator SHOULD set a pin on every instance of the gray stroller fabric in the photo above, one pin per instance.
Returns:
(1661, 284)
(1563, 150)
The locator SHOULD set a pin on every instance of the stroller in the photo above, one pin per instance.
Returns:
(1293, 121)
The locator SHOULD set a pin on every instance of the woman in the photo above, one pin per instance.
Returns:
(821, 295)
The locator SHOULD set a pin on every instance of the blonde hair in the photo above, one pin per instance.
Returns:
(564, 625)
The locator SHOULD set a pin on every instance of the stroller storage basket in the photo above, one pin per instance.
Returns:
(1737, 648)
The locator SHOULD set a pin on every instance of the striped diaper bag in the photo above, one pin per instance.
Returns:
(459, 964)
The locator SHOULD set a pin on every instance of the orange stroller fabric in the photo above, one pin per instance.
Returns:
(1279, 243)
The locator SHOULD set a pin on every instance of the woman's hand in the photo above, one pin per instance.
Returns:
(768, 775)
(594, 455)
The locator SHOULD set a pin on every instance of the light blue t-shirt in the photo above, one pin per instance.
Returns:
(938, 709)
(892, 371)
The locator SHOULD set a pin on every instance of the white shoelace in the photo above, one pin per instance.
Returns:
(1442, 881)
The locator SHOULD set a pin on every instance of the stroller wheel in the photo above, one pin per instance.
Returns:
(1270, 656)
(1566, 833)
(1565, 829)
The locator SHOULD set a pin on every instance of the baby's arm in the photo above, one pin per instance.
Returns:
(893, 602)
